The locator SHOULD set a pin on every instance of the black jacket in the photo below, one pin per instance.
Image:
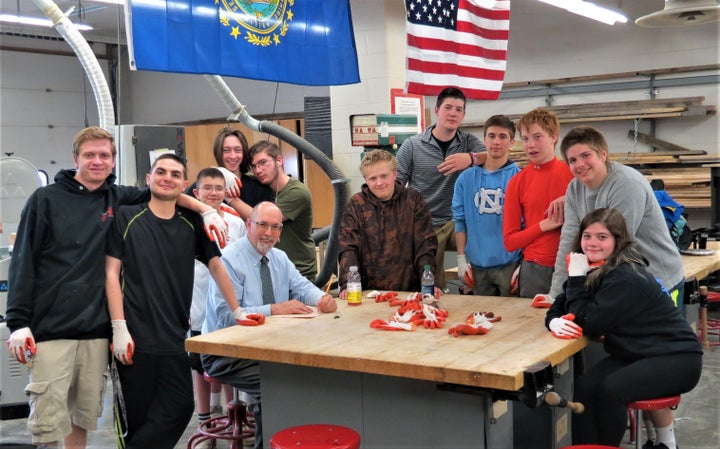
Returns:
(57, 271)
(631, 310)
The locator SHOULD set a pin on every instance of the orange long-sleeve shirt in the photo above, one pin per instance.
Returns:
(527, 197)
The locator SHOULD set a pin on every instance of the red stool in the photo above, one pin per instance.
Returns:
(227, 427)
(316, 436)
(649, 404)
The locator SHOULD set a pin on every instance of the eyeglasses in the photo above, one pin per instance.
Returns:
(262, 163)
(264, 226)
(209, 189)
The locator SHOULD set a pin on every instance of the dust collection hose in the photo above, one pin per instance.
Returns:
(338, 180)
(63, 25)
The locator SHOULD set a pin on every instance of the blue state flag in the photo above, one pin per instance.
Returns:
(308, 42)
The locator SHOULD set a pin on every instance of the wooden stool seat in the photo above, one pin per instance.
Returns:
(316, 436)
(647, 404)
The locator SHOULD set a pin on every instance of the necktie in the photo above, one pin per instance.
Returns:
(266, 280)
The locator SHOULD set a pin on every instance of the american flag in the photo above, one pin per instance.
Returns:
(461, 43)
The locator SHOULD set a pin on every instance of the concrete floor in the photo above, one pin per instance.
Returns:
(697, 419)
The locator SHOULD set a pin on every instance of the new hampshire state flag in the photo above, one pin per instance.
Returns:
(307, 42)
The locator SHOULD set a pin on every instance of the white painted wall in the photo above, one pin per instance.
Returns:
(38, 91)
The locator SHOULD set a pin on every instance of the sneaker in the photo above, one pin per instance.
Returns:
(663, 446)
(648, 445)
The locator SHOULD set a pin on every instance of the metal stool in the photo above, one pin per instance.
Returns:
(649, 404)
(227, 427)
(316, 436)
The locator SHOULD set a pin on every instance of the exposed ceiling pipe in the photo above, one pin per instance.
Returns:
(89, 62)
(337, 179)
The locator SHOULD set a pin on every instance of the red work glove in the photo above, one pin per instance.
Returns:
(564, 327)
(123, 346)
(248, 319)
(233, 185)
(542, 301)
(476, 323)
(386, 296)
(465, 272)
(392, 325)
(215, 227)
(21, 345)
(229, 210)
(434, 317)
(467, 329)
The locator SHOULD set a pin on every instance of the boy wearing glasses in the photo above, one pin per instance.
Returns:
(209, 188)
(265, 282)
(295, 202)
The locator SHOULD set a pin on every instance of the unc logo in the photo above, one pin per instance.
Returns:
(265, 21)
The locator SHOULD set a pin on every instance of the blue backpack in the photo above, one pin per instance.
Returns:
(675, 219)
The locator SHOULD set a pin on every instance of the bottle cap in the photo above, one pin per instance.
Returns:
(427, 266)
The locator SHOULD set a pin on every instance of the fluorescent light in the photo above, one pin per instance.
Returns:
(35, 21)
(589, 10)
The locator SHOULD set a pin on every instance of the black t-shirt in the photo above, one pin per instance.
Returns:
(158, 265)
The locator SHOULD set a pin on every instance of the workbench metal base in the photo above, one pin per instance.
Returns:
(387, 412)
(546, 427)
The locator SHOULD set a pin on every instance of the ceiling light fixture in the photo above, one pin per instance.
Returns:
(35, 21)
(589, 10)
(112, 2)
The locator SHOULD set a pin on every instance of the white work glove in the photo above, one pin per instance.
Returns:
(123, 346)
(565, 328)
(233, 185)
(577, 264)
(465, 272)
(515, 281)
(542, 301)
(21, 345)
(248, 319)
(215, 227)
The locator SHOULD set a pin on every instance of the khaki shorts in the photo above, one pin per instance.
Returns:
(67, 383)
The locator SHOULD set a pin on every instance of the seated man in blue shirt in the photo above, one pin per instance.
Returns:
(285, 292)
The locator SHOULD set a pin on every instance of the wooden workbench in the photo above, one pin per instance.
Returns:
(699, 267)
(495, 360)
(420, 389)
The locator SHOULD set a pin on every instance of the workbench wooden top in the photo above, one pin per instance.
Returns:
(700, 267)
(345, 341)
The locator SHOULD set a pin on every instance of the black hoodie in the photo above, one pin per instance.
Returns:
(57, 271)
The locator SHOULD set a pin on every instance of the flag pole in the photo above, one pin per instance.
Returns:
(337, 179)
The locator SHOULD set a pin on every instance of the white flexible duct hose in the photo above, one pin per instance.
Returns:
(237, 109)
(77, 42)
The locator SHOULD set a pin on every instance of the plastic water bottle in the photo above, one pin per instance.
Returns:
(354, 287)
(427, 281)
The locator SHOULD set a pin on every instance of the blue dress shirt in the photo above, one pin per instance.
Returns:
(242, 262)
